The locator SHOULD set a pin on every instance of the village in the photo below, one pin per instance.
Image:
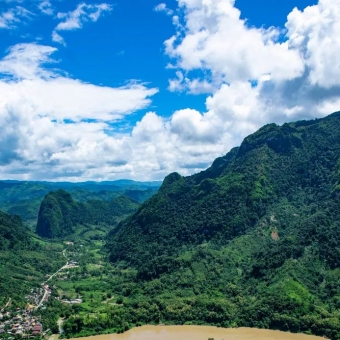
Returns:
(21, 323)
(25, 323)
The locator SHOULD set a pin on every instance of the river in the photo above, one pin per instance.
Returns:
(200, 333)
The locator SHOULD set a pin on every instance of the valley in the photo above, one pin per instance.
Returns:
(36, 271)
(170, 170)
(250, 243)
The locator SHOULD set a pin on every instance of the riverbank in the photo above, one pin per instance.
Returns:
(200, 333)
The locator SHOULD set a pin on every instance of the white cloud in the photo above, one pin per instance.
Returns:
(56, 37)
(63, 98)
(216, 39)
(74, 20)
(55, 127)
(46, 7)
(162, 7)
(58, 97)
(12, 17)
(50, 120)
(24, 61)
(315, 33)
(252, 76)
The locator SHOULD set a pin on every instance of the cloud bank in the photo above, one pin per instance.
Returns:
(53, 125)
(56, 127)
(251, 76)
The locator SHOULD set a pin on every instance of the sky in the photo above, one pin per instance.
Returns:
(137, 89)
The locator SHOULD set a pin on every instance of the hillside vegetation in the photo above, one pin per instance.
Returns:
(252, 241)
(24, 260)
(60, 215)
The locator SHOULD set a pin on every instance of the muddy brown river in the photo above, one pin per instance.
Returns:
(200, 333)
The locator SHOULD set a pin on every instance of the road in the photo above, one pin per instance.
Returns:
(65, 266)
(45, 282)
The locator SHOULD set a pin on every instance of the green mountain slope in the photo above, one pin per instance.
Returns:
(252, 241)
(12, 233)
(297, 162)
(59, 214)
(24, 260)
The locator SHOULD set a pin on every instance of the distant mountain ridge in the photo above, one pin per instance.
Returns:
(24, 197)
(116, 183)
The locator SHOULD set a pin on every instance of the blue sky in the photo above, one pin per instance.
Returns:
(127, 43)
(137, 89)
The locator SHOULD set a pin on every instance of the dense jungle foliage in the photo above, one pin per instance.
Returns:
(60, 215)
(252, 241)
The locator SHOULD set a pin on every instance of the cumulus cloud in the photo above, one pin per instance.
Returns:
(55, 127)
(50, 120)
(253, 76)
(162, 7)
(58, 127)
(74, 20)
(314, 32)
(217, 40)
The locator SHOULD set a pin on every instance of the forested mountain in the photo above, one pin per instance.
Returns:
(252, 241)
(59, 214)
(296, 163)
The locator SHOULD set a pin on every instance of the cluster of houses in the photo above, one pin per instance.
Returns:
(35, 296)
(21, 323)
(39, 295)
